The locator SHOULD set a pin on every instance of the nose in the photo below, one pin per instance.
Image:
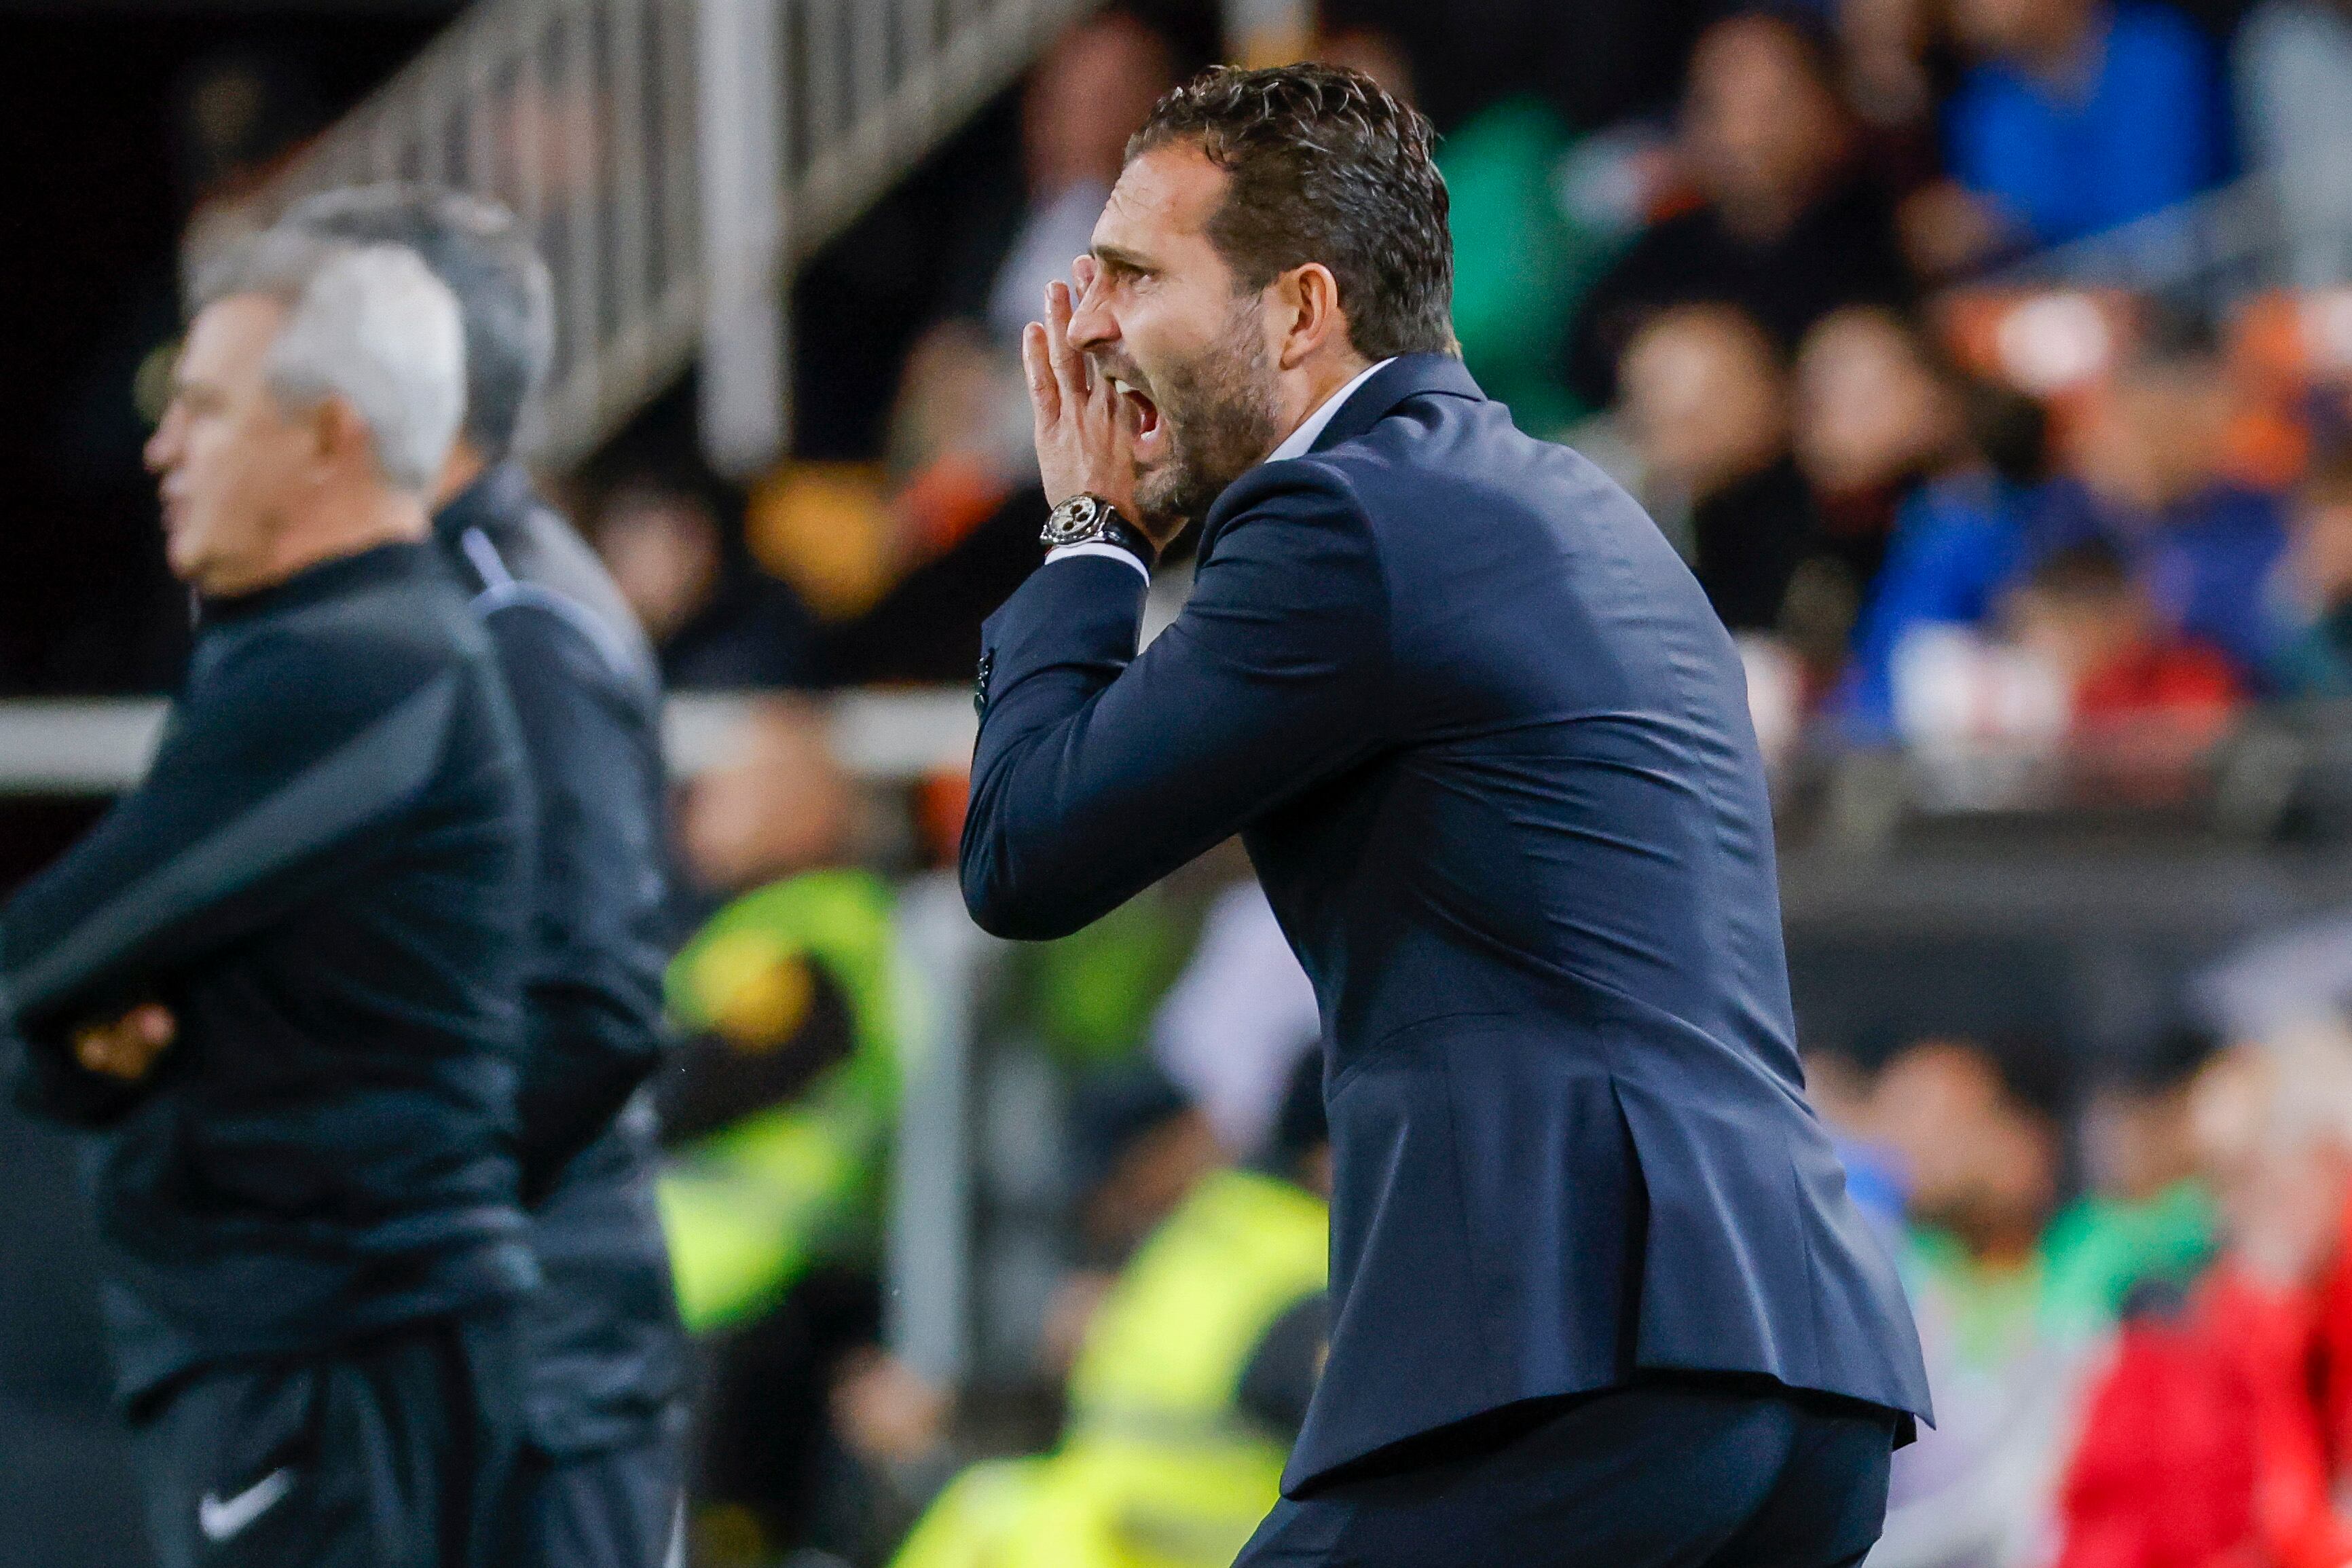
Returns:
(163, 447)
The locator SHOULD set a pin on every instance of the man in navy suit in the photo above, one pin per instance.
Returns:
(1599, 1295)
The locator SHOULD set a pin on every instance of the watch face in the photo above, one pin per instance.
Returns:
(1073, 520)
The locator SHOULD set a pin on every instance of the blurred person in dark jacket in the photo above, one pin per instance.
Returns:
(607, 1352)
(717, 621)
(286, 971)
(1785, 227)
(1706, 401)
(1877, 417)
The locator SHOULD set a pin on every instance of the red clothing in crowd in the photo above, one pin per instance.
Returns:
(2180, 680)
(2216, 1438)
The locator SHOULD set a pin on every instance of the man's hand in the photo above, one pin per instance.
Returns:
(127, 1048)
(1086, 442)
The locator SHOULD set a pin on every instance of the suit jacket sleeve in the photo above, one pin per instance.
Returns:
(1098, 771)
(272, 768)
(593, 1020)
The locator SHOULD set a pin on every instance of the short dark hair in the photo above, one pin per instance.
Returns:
(2089, 569)
(1324, 166)
(478, 249)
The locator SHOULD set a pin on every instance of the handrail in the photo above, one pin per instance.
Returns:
(102, 746)
(581, 115)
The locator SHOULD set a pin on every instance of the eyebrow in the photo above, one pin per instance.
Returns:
(1121, 260)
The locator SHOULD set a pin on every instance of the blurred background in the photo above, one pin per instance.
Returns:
(1991, 360)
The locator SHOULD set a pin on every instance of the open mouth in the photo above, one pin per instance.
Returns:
(1143, 417)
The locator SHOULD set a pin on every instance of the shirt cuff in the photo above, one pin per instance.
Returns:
(1098, 546)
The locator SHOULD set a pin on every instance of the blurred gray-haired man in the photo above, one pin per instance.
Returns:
(606, 1351)
(283, 974)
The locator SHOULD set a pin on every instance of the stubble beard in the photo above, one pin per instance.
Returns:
(1219, 411)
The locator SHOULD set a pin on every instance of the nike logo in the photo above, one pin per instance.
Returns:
(220, 1520)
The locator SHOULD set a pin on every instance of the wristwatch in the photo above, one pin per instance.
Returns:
(1087, 518)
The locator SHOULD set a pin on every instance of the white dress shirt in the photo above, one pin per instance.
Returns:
(1294, 446)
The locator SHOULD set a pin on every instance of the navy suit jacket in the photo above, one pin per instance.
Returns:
(1489, 751)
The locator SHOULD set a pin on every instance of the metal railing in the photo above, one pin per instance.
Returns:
(2205, 253)
(102, 746)
(611, 126)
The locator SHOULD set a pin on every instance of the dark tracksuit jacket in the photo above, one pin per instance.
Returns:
(606, 1351)
(324, 876)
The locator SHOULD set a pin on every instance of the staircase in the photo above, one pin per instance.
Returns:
(677, 159)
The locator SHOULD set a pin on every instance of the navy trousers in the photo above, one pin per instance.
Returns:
(613, 1508)
(1682, 1472)
(399, 1451)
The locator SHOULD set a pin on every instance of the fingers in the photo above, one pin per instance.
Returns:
(111, 1052)
(1045, 393)
(127, 1048)
(1069, 365)
(1083, 272)
(154, 1025)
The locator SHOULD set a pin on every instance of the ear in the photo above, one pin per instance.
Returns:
(1306, 300)
(339, 434)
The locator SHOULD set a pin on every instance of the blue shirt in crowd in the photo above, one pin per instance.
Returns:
(2137, 128)
(1960, 544)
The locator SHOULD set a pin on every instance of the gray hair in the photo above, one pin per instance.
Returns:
(369, 324)
(480, 250)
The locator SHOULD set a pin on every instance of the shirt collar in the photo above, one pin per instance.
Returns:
(1303, 438)
(499, 495)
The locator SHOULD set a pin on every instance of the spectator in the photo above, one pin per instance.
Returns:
(778, 803)
(1877, 418)
(1887, 47)
(2149, 1215)
(2217, 1432)
(778, 1111)
(2315, 659)
(1138, 1148)
(964, 515)
(1977, 1127)
(1083, 101)
(1785, 227)
(2081, 611)
(1957, 539)
(2150, 459)
(1706, 399)
(717, 621)
(2078, 115)
(2293, 62)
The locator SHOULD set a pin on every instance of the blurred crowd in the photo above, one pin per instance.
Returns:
(1794, 276)
(1787, 291)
